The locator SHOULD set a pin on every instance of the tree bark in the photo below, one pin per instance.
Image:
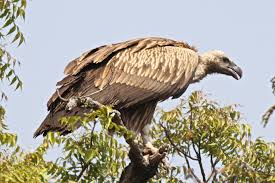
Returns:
(143, 166)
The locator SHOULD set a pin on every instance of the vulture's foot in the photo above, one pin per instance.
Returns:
(72, 103)
(90, 103)
(150, 149)
(152, 152)
(142, 166)
(86, 102)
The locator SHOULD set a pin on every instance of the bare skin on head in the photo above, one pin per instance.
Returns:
(216, 62)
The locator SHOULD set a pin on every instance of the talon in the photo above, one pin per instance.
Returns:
(150, 149)
(71, 103)
(92, 103)
(116, 112)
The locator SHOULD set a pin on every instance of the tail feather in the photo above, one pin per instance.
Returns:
(52, 122)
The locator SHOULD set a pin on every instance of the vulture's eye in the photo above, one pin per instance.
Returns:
(225, 60)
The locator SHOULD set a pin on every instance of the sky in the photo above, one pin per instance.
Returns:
(58, 31)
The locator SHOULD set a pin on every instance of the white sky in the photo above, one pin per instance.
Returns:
(58, 31)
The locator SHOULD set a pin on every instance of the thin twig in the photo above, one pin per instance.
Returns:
(174, 145)
(212, 162)
(212, 174)
(186, 156)
(92, 132)
(191, 170)
(82, 171)
(214, 171)
(198, 154)
(86, 165)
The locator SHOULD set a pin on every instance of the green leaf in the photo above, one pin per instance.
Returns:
(22, 13)
(4, 67)
(12, 30)
(8, 22)
(16, 36)
(22, 39)
(89, 154)
(13, 80)
(24, 3)
(19, 85)
(10, 73)
(6, 11)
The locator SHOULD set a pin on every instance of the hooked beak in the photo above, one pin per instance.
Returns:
(235, 71)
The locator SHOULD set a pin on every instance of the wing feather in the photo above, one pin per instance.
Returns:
(151, 64)
(100, 54)
(174, 68)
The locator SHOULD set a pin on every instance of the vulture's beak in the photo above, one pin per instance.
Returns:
(235, 71)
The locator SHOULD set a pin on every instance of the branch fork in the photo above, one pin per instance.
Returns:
(144, 164)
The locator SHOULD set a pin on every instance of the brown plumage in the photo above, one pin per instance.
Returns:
(133, 76)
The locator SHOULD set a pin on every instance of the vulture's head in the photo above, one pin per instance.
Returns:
(216, 62)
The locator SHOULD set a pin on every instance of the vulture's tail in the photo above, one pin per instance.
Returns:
(52, 122)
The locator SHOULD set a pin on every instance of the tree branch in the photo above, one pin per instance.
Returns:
(214, 171)
(143, 166)
(195, 177)
(198, 154)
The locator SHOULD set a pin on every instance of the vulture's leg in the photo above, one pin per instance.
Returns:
(148, 146)
(147, 141)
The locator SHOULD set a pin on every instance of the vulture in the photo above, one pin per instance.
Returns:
(133, 76)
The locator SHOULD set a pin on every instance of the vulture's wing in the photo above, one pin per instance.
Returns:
(129, 73)
(132, 76)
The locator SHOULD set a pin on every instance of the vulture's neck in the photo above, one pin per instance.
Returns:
(203, 69)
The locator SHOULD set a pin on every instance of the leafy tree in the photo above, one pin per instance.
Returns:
(92, 154)
(201, 131)
(210, 144)
(15, 165)
(10, 12)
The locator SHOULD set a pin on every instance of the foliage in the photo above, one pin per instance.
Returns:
(92, 154)
(20, 167)
(16, 165)
(10, 12)
(213, 137)
(270, 111)
(89, 155)
(210, 143)
(6, 138)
